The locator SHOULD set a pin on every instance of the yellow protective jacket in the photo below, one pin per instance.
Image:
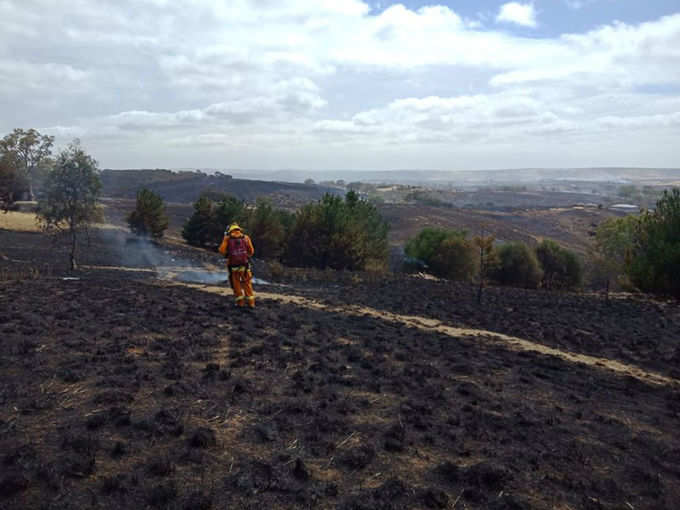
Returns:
(224, 246)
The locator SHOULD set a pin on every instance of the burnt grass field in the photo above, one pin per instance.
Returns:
(120, 389)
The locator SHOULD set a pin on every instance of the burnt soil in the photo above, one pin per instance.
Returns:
(122, 390)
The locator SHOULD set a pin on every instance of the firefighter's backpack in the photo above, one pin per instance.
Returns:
(238, 251)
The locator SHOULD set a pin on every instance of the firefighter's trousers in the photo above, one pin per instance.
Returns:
(241, 283)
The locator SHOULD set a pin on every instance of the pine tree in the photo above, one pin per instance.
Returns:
(149, 217)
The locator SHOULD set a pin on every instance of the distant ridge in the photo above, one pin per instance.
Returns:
(187, 186)
(500, 176)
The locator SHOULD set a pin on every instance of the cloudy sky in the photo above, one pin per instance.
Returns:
(345, 84)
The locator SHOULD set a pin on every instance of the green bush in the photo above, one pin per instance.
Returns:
(517, 266)
(456, 259)
(561, 267)
(337, 233)
(426, 243)
(149, 217)
(447, 253)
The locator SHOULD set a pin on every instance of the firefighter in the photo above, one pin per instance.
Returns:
(238, 248)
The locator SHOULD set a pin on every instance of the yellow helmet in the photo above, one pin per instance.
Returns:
(232, 227)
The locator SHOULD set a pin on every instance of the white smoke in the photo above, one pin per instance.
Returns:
(167, 263)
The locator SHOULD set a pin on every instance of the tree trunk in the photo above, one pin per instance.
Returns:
(74, 266)
(606, 292)
(481, 274)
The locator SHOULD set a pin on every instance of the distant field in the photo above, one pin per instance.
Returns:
(27, 222)
(19, 221)
(572, 227)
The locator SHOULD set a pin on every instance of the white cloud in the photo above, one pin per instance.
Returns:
(507, 115)
(24, 76)
(641, 121)
(515, 12)
(295, 78)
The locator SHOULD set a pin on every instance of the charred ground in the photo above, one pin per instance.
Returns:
(121, 389)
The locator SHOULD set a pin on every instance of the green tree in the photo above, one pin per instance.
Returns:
(30, 151)
(655, 264)
(228, 209)
(561, 267)
(149, 217)
(199, 229)
(8, 181)
(71, 191)
(206, 225)
(337, 233)
(517, 266)
(615, 240)
(370, 229)
(268, 228)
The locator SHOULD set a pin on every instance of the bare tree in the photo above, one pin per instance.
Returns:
(488, 259)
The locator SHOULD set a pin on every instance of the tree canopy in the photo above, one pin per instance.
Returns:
(71, 191)
(213, 213)
(8, 180)
(29, 152)
(268, 228)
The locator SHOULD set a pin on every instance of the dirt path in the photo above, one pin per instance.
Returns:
(426, 324)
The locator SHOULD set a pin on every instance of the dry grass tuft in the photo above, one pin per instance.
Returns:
(19, 221)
